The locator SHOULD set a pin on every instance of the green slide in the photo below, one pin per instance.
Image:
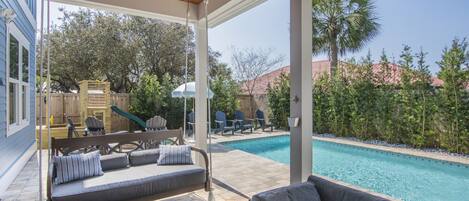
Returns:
(129, 116)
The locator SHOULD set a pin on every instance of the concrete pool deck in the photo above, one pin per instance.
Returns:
(400, 150)
(237, 174)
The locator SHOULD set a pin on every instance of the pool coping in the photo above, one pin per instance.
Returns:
(398, 150)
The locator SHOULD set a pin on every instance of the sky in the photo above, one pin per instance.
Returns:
(427, 24)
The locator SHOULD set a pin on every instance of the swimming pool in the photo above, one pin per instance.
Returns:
(397, 175)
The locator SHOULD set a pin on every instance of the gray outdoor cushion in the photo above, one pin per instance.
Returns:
(77, 166)
(131, 183)
(144, 157)
(330, 191)
(114, 161)
(295, 192)
(175, 155)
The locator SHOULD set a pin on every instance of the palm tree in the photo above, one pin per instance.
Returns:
(341, 26)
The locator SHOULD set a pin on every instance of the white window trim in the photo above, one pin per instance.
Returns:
(23, 42)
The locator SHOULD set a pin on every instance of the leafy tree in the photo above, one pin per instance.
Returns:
(385, 101)
(153, 97)
(117, 48)
(279, 101)
(363, 96)
(72, 51)
(162, 46)
(146, 97)
(453, 98)
(226, 92)
(321, 107)
(341, 26)
(339, 102)
(424, 103)
(406, 108)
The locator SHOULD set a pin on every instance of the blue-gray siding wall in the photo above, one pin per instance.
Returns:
(13, 146)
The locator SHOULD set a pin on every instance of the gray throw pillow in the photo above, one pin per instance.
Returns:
(76, 167)
(114, 161)
(143, 157)
(175, 155)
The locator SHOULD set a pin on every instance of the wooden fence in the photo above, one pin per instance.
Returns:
(65, 105)
(249, 106)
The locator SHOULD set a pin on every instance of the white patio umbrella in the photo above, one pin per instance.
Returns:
(188, 91)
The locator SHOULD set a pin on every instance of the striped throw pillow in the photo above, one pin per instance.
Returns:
(175, 155)
(76, 167)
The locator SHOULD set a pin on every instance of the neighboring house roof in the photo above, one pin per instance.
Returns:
(320, 67)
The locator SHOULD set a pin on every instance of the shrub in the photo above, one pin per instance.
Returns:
(153, 97)
(359, 102)
(225, 98)
(279, 101)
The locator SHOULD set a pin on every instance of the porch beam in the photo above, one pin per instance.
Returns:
(301, 103)
(219, 11)
(201, 63)
(172, 11)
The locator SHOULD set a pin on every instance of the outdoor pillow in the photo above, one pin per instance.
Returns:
(114, 161)
(143, 157)
(76, 167)
(175, 155)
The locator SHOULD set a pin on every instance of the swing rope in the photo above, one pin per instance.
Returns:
(41, 94)
(210, 196)
(186, 67)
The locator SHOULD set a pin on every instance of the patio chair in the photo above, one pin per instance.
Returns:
(94, 127)
(222, 126)
(72, 132)
(242, 122)
(191, 124)
(260, 118)
(156, 123)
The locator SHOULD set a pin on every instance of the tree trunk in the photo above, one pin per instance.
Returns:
(251, 106)
(334, 56)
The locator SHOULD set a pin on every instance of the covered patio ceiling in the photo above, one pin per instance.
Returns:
(219, 11)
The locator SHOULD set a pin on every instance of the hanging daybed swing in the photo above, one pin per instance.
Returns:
(42, 58)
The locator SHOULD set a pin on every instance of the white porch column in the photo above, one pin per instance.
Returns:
(301, 102)
(201, 63)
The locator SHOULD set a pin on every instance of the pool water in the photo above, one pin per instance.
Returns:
(397, 175)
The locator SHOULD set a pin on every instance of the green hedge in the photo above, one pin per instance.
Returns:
(358, 102)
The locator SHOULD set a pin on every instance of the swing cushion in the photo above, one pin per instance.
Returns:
(133, 182)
